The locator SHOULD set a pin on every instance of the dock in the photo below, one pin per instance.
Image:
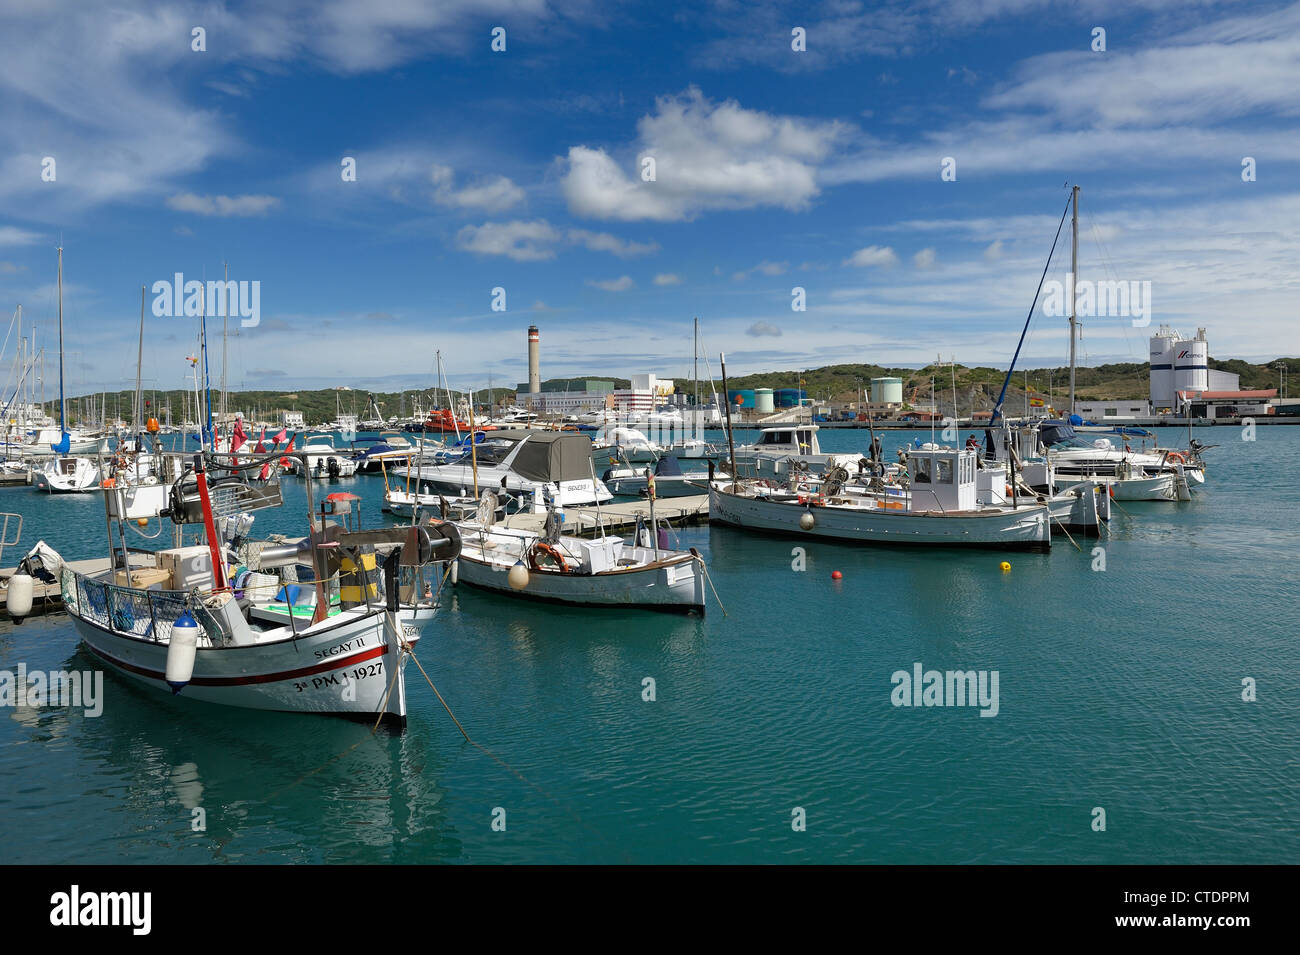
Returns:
(49, 596)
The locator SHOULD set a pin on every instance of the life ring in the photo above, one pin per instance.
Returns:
(542, 547)
(1176, 456)
(1010, 493)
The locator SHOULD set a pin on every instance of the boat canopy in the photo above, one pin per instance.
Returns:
(554, 456)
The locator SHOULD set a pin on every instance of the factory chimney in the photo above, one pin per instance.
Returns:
(534, 360)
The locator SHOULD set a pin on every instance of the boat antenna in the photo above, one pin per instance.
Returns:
(997, 408)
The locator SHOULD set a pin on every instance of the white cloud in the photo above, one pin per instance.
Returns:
(494, 194)
(222, 205)
(707, 155)
(993, 251)
(620, 284)
(873, 256)
(925, 259)
(765, 267)
(763, 330)
(604, 242)
(12, 235)
(522, 241)
(668, 278)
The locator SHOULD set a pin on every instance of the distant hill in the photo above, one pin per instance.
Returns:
(977, 389)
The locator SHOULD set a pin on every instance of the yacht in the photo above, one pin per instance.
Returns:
(523, 463)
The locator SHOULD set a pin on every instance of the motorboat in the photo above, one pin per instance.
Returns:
(521, 463)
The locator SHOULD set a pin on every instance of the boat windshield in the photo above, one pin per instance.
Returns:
(487, 452)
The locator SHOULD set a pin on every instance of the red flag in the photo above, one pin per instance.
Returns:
(279, 438)
(238, 438)
(261, 449)
(284, 462)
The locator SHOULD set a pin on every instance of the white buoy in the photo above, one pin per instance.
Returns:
(455, 572)
(181, 650)
(518, 576)
(21, 589)
(806, 520)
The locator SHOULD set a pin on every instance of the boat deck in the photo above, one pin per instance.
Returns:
(619, 516)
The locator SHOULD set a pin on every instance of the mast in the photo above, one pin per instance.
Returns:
(205, 429)
(139, 360)
(695, 375)
(1074, 285)
(225, 323)
(62, 446)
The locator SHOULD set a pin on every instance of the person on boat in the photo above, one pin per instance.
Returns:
(972, 443)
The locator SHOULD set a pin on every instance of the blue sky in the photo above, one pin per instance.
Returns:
(522, 170)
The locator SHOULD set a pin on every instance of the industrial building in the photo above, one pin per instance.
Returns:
(1180, 364)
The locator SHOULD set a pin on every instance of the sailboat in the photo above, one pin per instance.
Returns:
(65, 473)
(1064, 459)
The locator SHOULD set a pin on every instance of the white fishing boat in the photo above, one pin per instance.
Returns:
(529, 463)
(178, 624)
(939, 507)
(554, 567)
(667, 477)
(780, 448)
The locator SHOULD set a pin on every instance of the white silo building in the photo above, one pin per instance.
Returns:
(1177, 364)
(1192, 364)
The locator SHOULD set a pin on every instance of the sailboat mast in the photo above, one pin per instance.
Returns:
(695, 376)
(1074, 285)
(139, 360)
(63, 424)
(225, 322)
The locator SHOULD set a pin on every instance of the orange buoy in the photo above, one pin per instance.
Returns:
(152, 426)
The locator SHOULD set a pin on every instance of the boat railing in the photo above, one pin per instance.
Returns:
(5, 541)
(131, 612)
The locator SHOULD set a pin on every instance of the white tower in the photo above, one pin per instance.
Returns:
(534, 360)
(1163, 344)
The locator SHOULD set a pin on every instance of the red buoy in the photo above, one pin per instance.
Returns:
(836, 575)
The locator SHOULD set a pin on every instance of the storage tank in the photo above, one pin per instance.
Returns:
(789, 397)
(764, 400)
(1162, 368)
(1192, 364)
(741, 398)
(887, 391)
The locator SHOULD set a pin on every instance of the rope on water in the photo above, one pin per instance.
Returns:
(497, 759)
(1067, 534)
(709, 580)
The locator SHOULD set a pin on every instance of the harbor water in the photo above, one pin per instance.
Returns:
(1120, 667)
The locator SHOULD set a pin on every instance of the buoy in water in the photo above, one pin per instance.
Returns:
(518, 576)
(180, 651)
(1005, 566)
(806, 520)
(21, 589)
(836, 575)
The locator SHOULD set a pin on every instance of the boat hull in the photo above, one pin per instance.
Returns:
(672, 586)
(352, 668)
(1027, 528)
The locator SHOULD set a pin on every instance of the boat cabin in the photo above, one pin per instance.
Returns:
(942, 479)
(793, 439)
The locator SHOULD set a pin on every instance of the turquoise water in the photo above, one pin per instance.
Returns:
(1118, 689)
